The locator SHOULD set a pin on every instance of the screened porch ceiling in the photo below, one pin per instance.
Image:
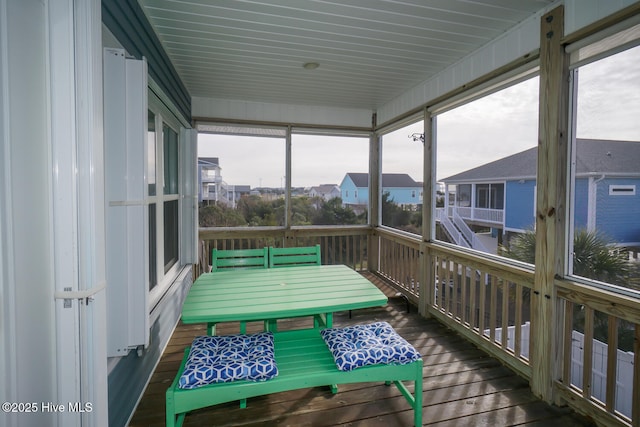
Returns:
(368, 51)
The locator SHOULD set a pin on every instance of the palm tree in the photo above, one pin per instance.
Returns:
(593, 258)
(593, 255)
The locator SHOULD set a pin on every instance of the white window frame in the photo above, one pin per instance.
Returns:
(164, 279)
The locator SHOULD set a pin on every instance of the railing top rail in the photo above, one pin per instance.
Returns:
(491, 264)
(618, 305)
(210, 233)
(399, 236)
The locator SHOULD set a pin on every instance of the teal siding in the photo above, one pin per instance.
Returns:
(128, 23)
(618, 216)
(352, 195)
(404, 196)
(519, 209)
(581, 203)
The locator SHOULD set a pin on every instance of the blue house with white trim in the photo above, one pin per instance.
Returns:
(501, 194)
(402, 189)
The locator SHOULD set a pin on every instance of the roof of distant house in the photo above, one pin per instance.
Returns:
(389, 180)
(593, 157)
(324, 188)
(213, 161)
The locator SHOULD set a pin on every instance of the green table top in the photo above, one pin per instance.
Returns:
(278, 293)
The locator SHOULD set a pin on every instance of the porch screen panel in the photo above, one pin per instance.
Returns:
(486, 145)
(606, 155)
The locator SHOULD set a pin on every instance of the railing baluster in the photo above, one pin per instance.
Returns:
(454, 292)
(612, 363)
(567, 342)
(493, 309)
(505, 314)
(635, 414)
(483, 301)
(587, 363)
(517, 345)
(473, 320)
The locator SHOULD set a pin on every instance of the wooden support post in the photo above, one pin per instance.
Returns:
(374, 200)
(426, 264)
(287, 184)
(551, 223)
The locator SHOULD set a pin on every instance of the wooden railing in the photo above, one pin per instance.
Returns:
(607, 384)
(399, 262)
(488, 301)
(481, 298)
(338, 244)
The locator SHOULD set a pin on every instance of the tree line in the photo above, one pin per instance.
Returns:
(255, 211)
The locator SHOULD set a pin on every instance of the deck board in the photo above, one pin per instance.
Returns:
(462, 385)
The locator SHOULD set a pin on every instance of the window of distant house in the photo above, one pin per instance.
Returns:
(251, 158)
(402, 172)
(463, 198)
(489, 196)
(324, 160)
(493, 137)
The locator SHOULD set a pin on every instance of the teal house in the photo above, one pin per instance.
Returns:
(400, 188)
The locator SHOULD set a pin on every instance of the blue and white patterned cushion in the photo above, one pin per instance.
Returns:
(229, 358)
(371, 344)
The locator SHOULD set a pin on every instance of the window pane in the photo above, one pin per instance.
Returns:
(151, 154)
(170, 234)
(402, 165)
(606, 203)
(322, 171)
(250, 180)
(487, 157)
(153, 241)
(170, 147)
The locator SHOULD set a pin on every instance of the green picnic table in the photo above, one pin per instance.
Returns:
(269, 294)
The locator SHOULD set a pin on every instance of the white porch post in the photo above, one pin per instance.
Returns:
(51, 214)
(77, 206)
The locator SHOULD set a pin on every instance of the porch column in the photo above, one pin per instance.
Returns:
(428, 206)
(551, 223)
(287, 183)
(374, 199)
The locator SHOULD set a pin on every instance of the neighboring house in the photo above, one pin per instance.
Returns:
(325, 191)
(209, 179)
(235, 192)
(401, 188)
(211, 186)
(501, 194)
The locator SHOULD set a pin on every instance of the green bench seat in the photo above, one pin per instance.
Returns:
(303, 361)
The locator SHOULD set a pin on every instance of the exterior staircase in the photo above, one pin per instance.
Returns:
(458, 231)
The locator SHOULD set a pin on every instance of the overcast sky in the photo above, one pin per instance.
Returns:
(496, 126)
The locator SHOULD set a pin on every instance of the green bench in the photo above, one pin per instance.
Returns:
(303, 361)
(262, 258)
(239, 258)
(294, 256)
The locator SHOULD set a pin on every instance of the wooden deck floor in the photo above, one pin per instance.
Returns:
(462, 386)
